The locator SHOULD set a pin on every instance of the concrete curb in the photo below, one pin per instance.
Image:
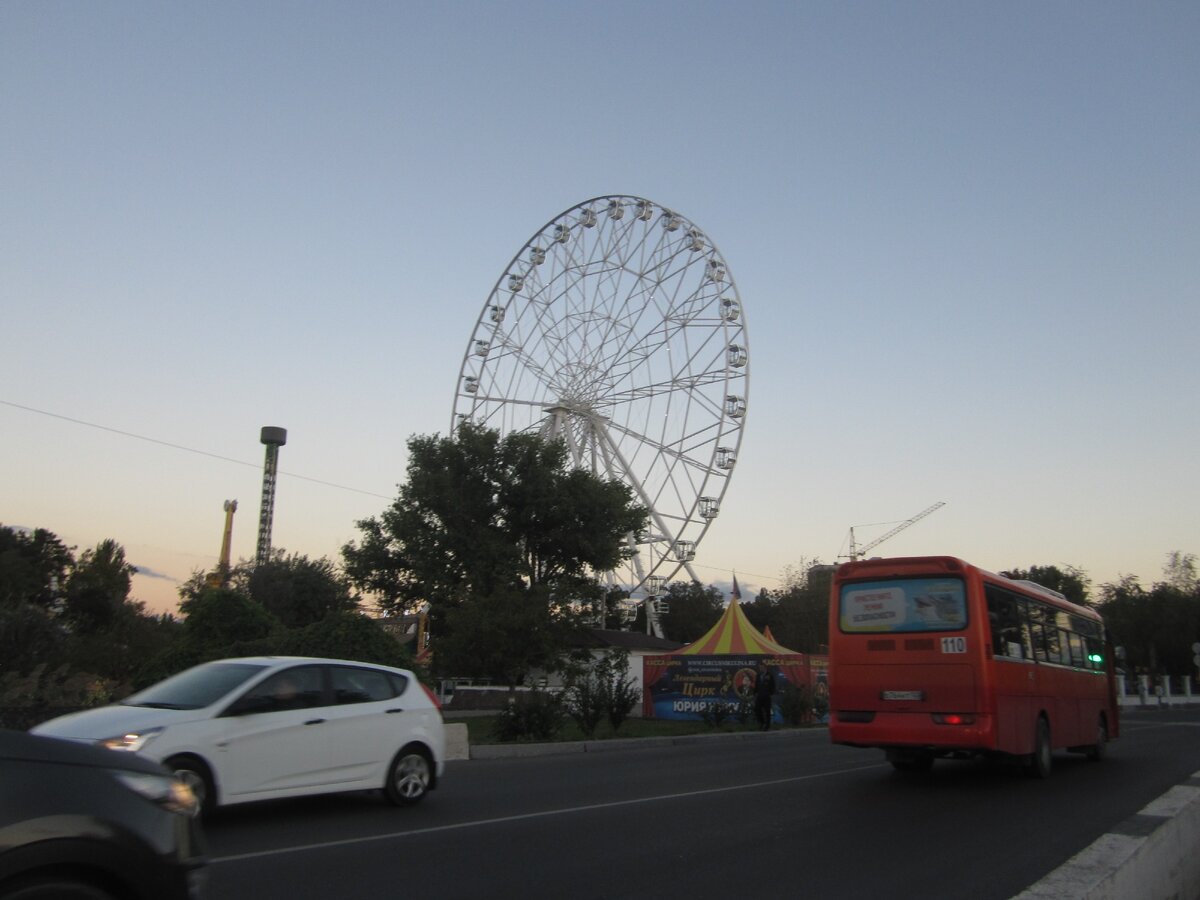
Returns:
(509, 751)
(456, 741)
(1150, 856)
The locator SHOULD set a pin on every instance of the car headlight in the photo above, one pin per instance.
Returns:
(133, 741)
(164, 790)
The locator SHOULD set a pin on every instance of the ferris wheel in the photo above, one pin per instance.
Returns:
(618, 329)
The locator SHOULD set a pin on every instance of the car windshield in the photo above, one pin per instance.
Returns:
(195, 688)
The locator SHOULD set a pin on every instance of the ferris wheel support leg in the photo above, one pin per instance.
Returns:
(623, 472)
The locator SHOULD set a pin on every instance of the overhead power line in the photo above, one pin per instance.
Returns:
(186, 449)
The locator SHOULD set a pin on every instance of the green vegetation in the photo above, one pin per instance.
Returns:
(500, 537)
(482, 729)
(71, 636)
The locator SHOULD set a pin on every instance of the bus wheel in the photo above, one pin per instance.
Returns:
(1099, 750)
(1039, 762)
(910, 760)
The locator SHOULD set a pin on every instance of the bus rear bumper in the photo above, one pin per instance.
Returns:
(976, 733)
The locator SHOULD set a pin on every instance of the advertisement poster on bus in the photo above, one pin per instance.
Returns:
(913, 604)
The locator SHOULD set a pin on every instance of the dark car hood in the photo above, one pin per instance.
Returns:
(22, 745)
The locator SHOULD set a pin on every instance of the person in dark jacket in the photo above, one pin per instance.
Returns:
(764, 688)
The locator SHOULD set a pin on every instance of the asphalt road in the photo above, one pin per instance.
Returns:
(778, 815)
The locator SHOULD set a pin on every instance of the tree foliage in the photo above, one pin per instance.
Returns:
(297, 590)
(599, 688)
(33, 567)
(98, 588)
(694, 609)
(501, 636)
(798, 613)
(481, 513)
(58, 611)
(501, 537)
(1069, 581)
(345, 635)
(1157, 627)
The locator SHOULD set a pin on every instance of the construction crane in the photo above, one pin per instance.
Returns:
(857, 552)
(220, 576)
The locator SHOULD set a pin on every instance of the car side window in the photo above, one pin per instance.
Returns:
(354, 685)
(300, 687)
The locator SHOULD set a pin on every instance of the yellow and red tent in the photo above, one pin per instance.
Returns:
(719, 667)
(733, 634)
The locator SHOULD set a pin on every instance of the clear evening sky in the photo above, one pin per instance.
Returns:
(966, 236)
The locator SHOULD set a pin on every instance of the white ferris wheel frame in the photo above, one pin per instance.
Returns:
(618, 329)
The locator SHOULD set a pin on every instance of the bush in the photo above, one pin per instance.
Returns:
(530, 716)
(585, 700)
(714, 715)
(598, 689)
(345, 635)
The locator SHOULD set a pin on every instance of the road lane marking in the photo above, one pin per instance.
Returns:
(502, 820)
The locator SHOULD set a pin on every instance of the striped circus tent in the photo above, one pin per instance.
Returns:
(733, 634)
(719, 669)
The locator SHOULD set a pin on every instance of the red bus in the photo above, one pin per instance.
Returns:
(932, 657)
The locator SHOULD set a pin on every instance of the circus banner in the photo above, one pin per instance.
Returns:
(686, 686)
(719, 668)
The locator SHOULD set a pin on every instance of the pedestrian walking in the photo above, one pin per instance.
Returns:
(764, 689)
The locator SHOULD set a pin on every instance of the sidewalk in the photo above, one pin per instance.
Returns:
(457, 746)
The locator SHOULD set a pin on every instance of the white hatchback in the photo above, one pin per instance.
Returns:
(264, 727)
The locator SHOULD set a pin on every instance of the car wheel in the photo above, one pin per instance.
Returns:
(1040, 761)
(195, 775)
(51, 888)
(408, 777)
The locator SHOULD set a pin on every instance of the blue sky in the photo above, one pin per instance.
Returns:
(965, 236)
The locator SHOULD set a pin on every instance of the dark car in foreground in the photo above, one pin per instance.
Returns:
(83, 823)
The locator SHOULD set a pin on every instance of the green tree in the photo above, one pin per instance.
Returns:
(1180, 571)
(799, 612)
(97, 589)
(1156, 627)
(28, 638)
(481, 513)
(297, 590)
(1069, 581)
(694, 609)
(501, 537)
(761, 611)
(502, 636)
(218, 621)
(346, 635)
(33, 567)
(599, 688)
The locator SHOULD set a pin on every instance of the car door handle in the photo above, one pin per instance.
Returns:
(396, 710)
(314, 721)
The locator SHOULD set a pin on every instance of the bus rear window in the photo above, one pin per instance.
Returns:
(903, 604)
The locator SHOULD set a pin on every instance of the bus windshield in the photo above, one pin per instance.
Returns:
(903, 604)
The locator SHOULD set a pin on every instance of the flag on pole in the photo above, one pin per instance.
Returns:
(736, 593)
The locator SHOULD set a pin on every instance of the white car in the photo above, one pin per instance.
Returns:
(238, 730)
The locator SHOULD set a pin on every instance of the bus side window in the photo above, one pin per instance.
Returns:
(1078, 655)
(1038, 629)
(1004, 614)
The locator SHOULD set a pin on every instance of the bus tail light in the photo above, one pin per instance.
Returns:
(953, 719)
